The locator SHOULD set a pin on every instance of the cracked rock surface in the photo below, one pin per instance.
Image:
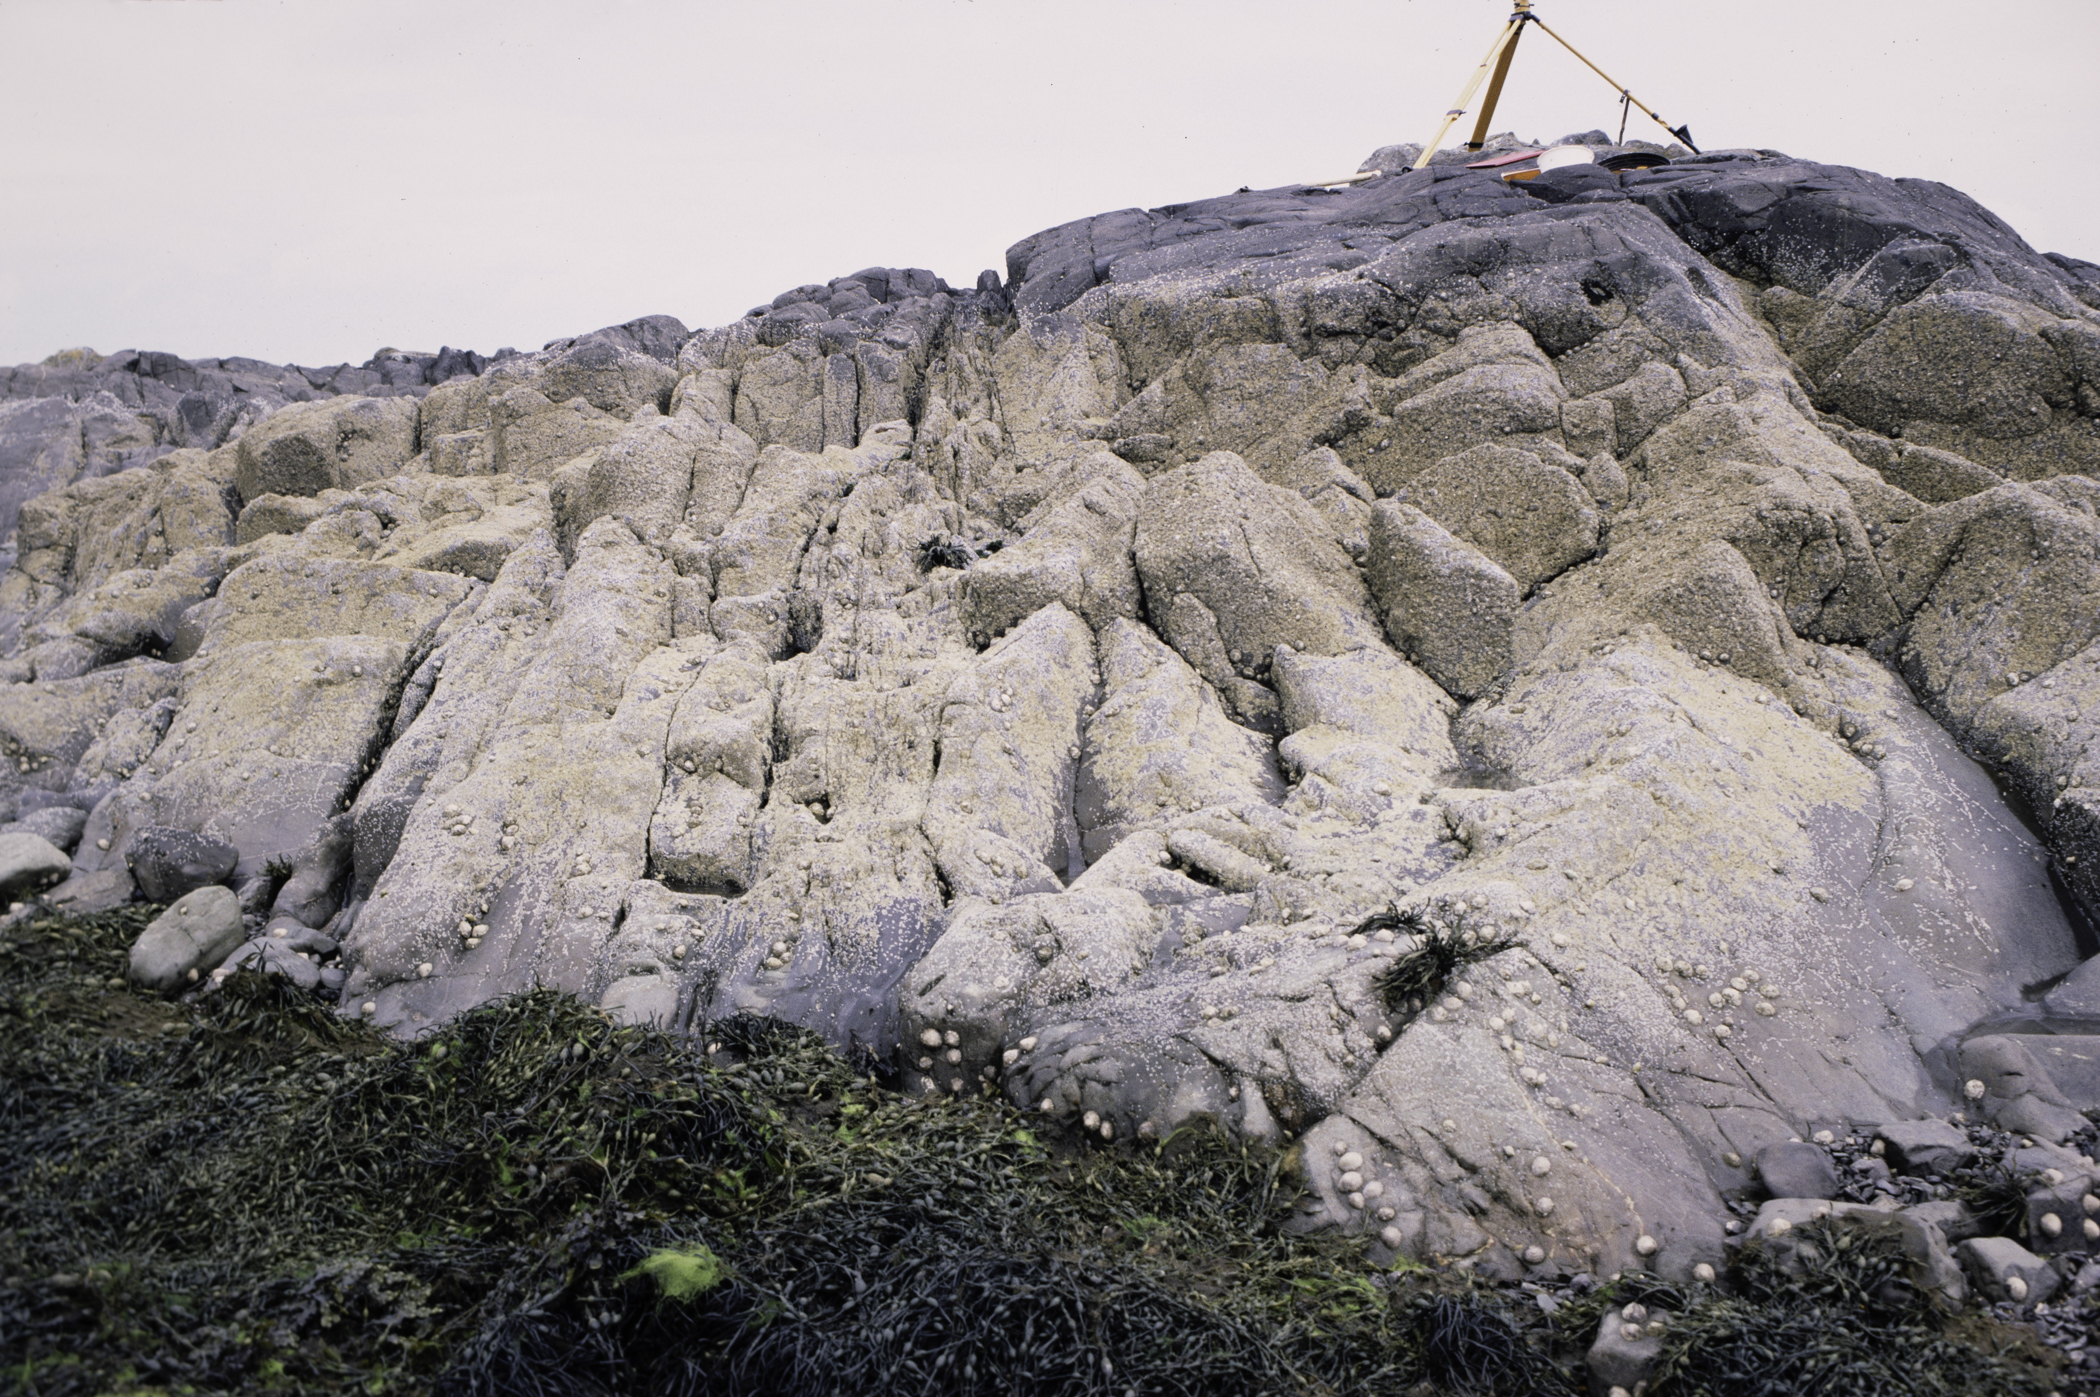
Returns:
(1685, 580)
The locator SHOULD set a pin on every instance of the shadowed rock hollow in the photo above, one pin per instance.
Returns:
(1035, 685)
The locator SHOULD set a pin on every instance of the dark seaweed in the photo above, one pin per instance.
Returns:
(245, 1192)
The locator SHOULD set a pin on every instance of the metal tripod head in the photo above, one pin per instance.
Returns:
(1497, 62)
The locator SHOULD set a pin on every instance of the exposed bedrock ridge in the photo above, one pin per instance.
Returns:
(1032, 685)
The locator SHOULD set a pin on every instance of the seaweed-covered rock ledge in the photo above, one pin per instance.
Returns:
(1527, 694)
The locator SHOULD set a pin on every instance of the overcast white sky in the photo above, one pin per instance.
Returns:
(307, 180)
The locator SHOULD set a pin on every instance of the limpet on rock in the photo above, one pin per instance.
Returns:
(1703, 1273)
(1351, 1160)
(1973, 1089)
(2016, 1287)
(1646, 1245)
(1534, 1255)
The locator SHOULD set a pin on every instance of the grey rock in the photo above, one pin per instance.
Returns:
(86, 893)
(167, 863)
(319, 870)
(1925, 1146)
(1447, 605)
(337, 444)
(635, 999)
(1797, 1170)
(60, 825)
(297, 936)
(2002, 1269)
(2018, 1092)
(2056, 1216)
(1956, 1223)
(1625, 1354)
(2072, 1060)
(196, 932)
(28, 865)
(1531, 516)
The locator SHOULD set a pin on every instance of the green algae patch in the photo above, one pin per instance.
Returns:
(681, 1273)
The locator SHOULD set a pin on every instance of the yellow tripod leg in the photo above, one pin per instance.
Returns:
(1458, 108)
(1487, 106)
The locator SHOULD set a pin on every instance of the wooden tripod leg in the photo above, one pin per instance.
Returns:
(1487, 106)
(1458, 108)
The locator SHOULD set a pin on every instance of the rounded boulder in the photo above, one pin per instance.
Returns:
(198, 932)
(29, 864)
(169, 863)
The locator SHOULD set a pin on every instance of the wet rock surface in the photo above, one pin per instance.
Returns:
(1672, 592)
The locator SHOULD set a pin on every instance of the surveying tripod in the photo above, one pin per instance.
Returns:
(1498, 58)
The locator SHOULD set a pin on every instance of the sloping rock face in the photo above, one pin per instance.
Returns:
(1035, 686)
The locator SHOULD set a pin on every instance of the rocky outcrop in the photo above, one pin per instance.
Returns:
(1483, 683)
